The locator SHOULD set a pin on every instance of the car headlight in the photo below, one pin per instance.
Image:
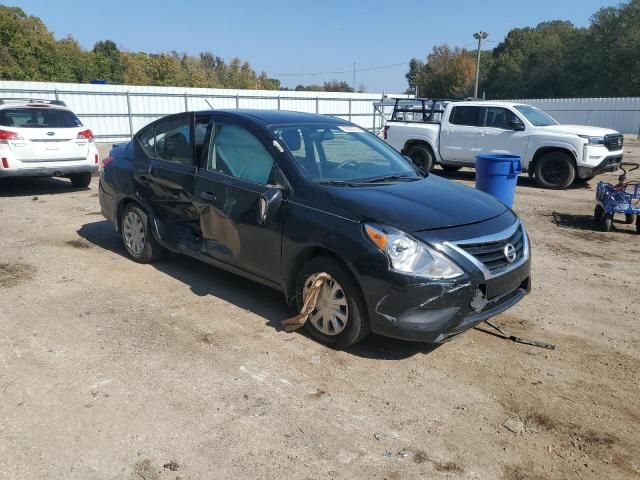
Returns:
(593, 140)
(407, 255)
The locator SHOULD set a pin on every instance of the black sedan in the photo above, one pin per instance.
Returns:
(282, 197)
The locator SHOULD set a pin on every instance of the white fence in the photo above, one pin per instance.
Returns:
(115, 112)
(621, 114)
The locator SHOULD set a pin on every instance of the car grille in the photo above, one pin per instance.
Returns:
(492, 254)
(614, 142)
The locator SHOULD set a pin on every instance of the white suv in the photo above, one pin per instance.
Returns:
(43, 138)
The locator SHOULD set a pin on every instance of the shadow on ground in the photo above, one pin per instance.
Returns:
(204, 279)
(30, 186)
(586, 222)
(524, 180)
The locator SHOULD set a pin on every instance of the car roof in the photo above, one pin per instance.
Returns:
(4, 106)
(488, 103)
(271, 117)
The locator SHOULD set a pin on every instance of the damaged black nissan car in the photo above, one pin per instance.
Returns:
(282, 197)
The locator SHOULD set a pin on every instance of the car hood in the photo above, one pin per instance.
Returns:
(580, 130)
(427, 204)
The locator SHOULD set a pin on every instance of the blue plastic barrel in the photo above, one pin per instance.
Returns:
(497, 175)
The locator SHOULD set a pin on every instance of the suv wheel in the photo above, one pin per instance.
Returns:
(137, 237)
(339, 318)
(555, 170)
(80, 180)
(421, 157)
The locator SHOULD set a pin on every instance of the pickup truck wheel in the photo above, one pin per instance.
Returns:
(340, 318)
(555, 170)
(421, 156)
(450, 168)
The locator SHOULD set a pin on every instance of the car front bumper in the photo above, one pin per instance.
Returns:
(420, 309)
(609, 164)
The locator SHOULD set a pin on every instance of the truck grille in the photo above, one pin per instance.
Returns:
(614, 142)
(492, 254)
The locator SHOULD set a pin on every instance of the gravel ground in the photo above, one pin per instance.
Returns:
(114, 370)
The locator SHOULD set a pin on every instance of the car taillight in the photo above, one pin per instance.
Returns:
(86, 134)
(5, 163)
(106, 161)
(384, 131)
(97, 159)
(7, 135)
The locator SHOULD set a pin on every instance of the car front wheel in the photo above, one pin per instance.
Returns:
(339, 318)
(137, 237)
(555, 170)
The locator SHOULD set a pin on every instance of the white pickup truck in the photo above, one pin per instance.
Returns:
(452, 133)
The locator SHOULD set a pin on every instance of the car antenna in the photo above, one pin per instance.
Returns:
(208, 103)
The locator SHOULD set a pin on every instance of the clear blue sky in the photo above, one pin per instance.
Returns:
(286, 36)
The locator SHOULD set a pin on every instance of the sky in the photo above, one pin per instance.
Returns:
(291, 39)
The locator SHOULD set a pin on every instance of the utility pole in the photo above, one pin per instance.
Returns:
(353, 85)
(478, 36)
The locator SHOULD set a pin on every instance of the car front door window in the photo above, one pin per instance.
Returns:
(237, 152)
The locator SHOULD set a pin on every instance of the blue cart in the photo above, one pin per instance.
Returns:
(621, 198)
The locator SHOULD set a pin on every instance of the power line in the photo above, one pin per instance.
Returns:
(365, 69)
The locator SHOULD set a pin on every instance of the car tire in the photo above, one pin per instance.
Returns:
(598, 213)
(450, 168)
(555, 171)
(606, 222)
(80, 180)
(638, 224)
(422, 157)
(137, 237)
(357, 324)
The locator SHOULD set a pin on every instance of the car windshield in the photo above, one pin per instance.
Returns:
(38, 118)
(347, 154)
(535, 116)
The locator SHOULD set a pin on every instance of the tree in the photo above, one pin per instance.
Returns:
(337, 86)
(108, 62)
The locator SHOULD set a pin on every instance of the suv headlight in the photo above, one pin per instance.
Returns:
(593, 140)
(407, 255)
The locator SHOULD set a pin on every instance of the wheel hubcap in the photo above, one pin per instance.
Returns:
(555, 172)
(133, 233)
(332, 310)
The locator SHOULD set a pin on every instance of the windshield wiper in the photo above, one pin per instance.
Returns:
(390, 178)
(338, 183)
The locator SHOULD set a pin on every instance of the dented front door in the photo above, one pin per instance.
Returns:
(229, 185)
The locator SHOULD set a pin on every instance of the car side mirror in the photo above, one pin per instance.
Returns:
(517, 125)
(269, 204)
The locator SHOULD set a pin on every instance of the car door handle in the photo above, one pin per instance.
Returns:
(207, 196)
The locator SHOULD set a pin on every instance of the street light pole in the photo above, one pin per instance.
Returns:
(478, 36)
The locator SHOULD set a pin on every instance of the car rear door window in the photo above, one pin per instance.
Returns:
(237, 152)
(469, 116)
(170, 140)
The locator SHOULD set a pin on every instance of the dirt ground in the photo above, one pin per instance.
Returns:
(114, 370)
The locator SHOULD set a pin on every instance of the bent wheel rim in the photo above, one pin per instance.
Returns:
(555, 173)
(133, 233)
(331, 314)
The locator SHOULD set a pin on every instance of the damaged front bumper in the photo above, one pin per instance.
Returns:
(420, 309)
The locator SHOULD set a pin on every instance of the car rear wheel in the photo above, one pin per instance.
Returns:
(137, 237)
(80, 180)
(339, 318)
(421, 157)
(555, 170)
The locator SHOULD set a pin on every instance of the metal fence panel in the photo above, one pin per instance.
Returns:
(114, 112)
(621, 114)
